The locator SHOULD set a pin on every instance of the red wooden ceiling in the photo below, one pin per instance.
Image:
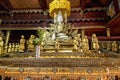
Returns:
(25, 4)
(44, 4)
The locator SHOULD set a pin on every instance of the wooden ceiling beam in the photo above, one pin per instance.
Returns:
(2, 4)
(81, 2)
(9, 5)
(43, 4)
(6, 5)
(108, 2)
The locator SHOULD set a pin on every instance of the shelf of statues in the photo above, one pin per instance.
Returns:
(113, 46)
(62, 49)
(10, 48)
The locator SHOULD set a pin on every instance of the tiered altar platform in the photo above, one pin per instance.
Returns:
(55, 55)
(60, 64)
(56, 68)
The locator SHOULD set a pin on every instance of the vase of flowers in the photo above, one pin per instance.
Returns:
(38, 41)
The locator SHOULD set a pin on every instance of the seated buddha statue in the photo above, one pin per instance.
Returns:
(31, 46)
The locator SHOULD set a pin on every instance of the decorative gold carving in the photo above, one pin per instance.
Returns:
(56, 5)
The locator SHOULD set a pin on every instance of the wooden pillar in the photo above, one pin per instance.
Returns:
(45, 17)
(7, 37)
(108, 32)
(115, 2)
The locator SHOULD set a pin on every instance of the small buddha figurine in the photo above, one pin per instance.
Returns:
(119, 48)
(9, 48)
(16, 47)
(114, 46)
(75, 44)
(22, 44)
(57, 45)
(79, 40)
(108, 46)
(85, 44)
(1, 45)
(6, 48)
(94, 42)
(31, 46)
(13, 47)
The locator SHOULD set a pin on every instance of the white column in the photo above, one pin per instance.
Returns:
(37, 51)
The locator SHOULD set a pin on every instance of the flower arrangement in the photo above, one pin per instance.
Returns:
(38, 40)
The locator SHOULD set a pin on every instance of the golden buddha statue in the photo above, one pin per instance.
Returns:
(16, 47)
(94, 42)
(6, 48)
(75, 43)
(31, 46)
(85, 44)
(114, 46)
(13, 47)
(9, 48)
(22, 44)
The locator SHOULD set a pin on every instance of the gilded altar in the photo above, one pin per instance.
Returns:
(59, 52)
